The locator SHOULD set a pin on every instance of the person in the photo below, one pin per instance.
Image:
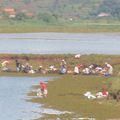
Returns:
(27, 68)
(39, 93)
(63, 68)
(43, 88)
(63, 62)
(52, 69)
(18, 65)
(0, 64)
(76, 70)
(109, 69)
(86, 71)
(4, 66)
(40, 69)
(4, 63)
(31, 71)
(99, 70)
(103, 93)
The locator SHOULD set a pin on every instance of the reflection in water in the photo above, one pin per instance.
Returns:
(13, 105)
(60, 43)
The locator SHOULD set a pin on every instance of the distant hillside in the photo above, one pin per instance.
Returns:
(51, 10)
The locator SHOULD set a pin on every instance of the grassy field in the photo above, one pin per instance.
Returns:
(66, 94)
(72, 27)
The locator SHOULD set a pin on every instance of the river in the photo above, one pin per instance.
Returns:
(60, 43)
(13, 96)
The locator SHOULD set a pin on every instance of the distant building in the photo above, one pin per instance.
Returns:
(12, 16)
(10, 12)
(103, 15)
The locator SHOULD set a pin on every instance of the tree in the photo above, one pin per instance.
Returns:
(26, 1)
(20, 16)
(47, 17)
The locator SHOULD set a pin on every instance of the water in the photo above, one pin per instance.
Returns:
(13, 95)
(60, 43)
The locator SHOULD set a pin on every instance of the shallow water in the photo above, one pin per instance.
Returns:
(13, 95)
(60, 43)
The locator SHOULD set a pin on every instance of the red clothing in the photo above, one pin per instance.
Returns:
(105, 93)
(43, 86)
(80, 66)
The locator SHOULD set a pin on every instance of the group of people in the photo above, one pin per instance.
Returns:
(27, 68)
(105, 70)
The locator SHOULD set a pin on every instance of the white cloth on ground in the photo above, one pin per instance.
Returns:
(89, 95)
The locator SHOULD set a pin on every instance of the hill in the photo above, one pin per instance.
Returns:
(62, 9)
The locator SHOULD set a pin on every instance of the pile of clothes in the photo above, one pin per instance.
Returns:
(101, 94)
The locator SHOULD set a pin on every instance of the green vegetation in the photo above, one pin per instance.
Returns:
(60, 16)
(10, 26)
(76, 9)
